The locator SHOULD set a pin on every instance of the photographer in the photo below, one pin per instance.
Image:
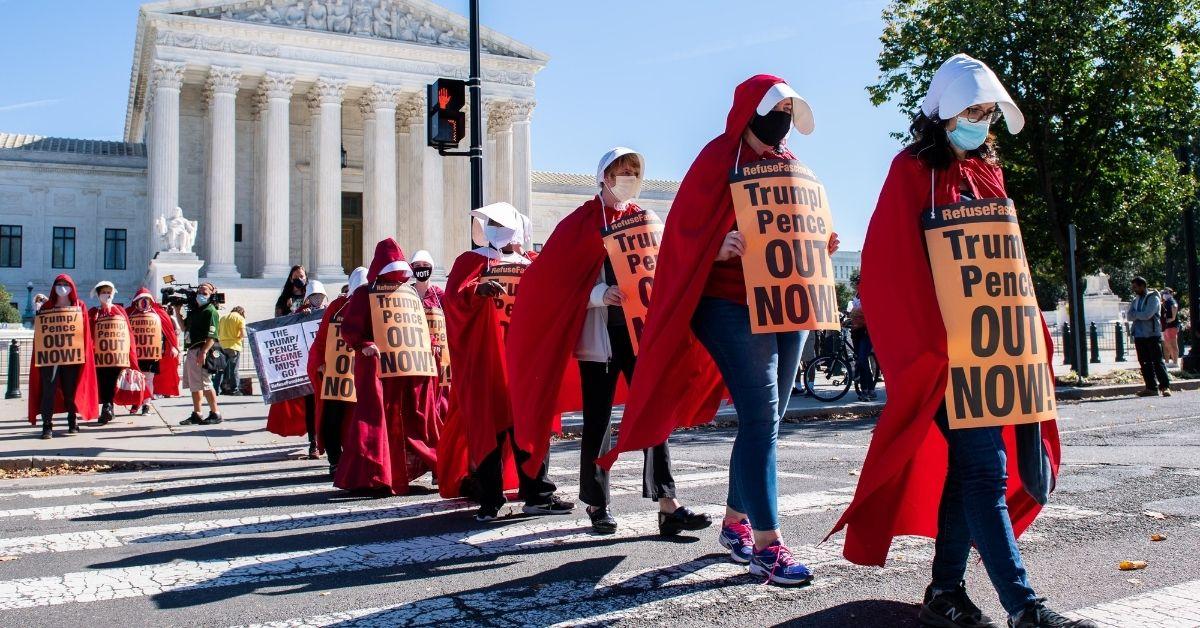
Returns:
(200, 323)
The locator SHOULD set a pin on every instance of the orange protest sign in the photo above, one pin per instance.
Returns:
(783, 212)
(632, 244)
(509, 276)
(58, 337)
(147, 332)
(999, 373)
(440, 342)
(401, 333)
(337, 381)
(110, 342)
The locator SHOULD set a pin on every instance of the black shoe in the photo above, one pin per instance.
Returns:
(952, 609)
(106, 415)
(1147, 392)
(487, 513)
(72, 424)
(1036, 615)
(47, 434)
(332, 470)
(212, 419)
(555, 506)
(602, 521)
(145, 409)
(670, 524)
(194, 419)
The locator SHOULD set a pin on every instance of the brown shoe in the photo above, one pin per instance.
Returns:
(1147, 392)
(1166, 392)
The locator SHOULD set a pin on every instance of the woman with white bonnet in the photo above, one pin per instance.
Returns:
(920, 477)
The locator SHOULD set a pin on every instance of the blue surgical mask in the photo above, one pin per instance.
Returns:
(201, 299)
(969, 135)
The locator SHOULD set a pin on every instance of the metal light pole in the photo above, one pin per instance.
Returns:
(1191, 361)
(28, 304)
(475, 85)
(1077, 323)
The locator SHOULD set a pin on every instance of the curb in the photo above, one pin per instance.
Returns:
(1080, 393)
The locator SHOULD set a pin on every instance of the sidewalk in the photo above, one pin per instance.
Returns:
(242, 437)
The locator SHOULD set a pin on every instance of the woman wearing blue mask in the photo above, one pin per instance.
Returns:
(916, 461)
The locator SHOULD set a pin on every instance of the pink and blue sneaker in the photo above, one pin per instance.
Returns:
(775, 563)
(737, 538)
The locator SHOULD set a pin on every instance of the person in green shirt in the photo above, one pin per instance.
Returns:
(201, 327)
(230, 333)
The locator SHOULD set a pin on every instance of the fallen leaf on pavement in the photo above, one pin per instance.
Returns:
(854, 472)
(1158, 537)
(1134, 581)
(1131, 565)
(4, 559)
(325, 592)
(1154, 515)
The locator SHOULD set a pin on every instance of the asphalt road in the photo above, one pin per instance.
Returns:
(276, 544)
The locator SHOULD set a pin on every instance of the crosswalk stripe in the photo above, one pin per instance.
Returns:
(1170, 607)
(811, 444)
(145, 580)
(86, 510)
(145, 486)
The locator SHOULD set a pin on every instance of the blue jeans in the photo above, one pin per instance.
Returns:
(862, 361)
(759, 370)
(973, 510)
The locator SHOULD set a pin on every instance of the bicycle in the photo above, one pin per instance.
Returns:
(829, 375)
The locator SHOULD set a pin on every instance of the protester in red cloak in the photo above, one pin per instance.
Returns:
(162, 375)
(331, 414)
(433, 391)
(478, 434)
(699, 314)
(381, 452)
(973, 486)
(569, 311)
(298, 416)
(107, 377)
(71, 389)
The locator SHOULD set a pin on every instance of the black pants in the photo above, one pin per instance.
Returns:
(106, 381)
(332, 414)
(599, 386)
(862, 361)
(490, 476)
(226, 381)
(54, 379)
(1149, 355)
(310, 420)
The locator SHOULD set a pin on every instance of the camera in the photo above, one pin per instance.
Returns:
(184, 294)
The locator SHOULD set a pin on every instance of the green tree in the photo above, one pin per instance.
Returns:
(1109, 92)
(8, 313)
(844, 295)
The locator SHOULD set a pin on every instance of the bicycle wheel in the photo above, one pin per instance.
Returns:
(828, 378)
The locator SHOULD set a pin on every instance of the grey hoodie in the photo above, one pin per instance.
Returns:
(1143, 314)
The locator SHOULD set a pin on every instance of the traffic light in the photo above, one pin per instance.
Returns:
(447, 123)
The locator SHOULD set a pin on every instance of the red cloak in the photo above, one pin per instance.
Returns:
(122, 397)
(902, 479)
(166, 381)
(480, 407)
(87, 399)
(286, 418)
(435, 396)
(316, 359)
(676, 382)
(547, 319)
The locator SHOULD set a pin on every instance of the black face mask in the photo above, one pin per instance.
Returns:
(298, 283)
(771, 128)
(422, 274)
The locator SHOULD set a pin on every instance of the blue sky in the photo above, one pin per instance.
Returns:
(657, 76)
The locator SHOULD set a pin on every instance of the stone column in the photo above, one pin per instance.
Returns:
(163, 144)
(500, 131)
(221, 91)
(424, 173)
(368, 164)
(379, 221)
(522, 170)
(325, 102)
(274, 220)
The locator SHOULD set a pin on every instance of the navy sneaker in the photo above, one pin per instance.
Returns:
(775, 563)
(737, 538)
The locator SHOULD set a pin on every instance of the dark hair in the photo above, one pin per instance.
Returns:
(1139, 280)
(931, 145)
(283, 303)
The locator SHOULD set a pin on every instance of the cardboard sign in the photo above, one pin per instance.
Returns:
(999, 374)
(337, 381)
(110, 342)
(783, 212)
(401, 332)
(439, 341)
(280, 347)
(632, 244)
(509, 276)
(147, 332)
(58, 337)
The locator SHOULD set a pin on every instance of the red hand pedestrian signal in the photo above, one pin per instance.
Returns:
(443, 97)
(446, 121)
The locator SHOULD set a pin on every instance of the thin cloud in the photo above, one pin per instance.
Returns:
(31, 104)
(729, 46)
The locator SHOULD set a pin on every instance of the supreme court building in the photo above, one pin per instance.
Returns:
(293, 131)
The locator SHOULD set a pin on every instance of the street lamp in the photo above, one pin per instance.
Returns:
(29, 304)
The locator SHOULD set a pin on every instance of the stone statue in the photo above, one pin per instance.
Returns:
(317, 16)
(426, 34)
(271, 13)
(176, 235)
(295, 15)
(1096, 285)
(450, 40)
(339, 17)
(362, 17)
(383, 20)
(403, 26)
